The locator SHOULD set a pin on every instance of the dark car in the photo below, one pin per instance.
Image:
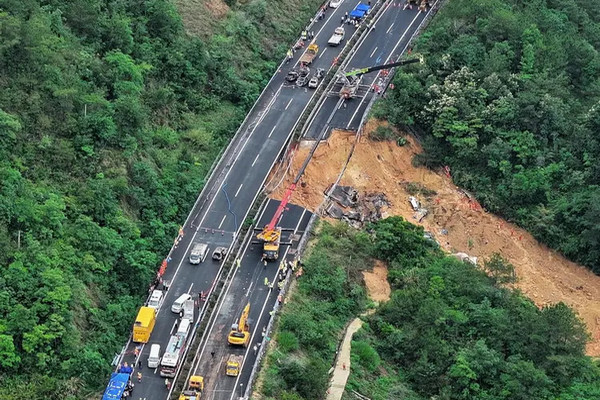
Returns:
(320, 73)
(303, 70)
(302, 80)
(291, 76)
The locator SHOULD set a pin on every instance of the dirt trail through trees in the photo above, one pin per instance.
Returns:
(459, 225)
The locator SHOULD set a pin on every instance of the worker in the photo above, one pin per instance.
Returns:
(212, 354)
(168, 384)
(139, 376)
(280, 285)
(271, 285)
(255, 348)
(266, 281)
(175, 326)
(264, 331)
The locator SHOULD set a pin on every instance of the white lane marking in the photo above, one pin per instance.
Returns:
(374, 50)
(171, 331)
(198, 357)
(255, 329)
(341, 104)
(323, 52)
(238, 191)
(388, 59)
(223, 220)
(260, 119)
(289, 102)
(272, 130)
(299, 221)
(390, 28)
(256, 158)
(190, 289)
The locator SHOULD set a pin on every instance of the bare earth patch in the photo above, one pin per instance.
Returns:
(378, 287)
(458, 224)
(200, 16)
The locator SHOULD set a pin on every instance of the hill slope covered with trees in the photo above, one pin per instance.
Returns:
(110, 117)
(509, 98)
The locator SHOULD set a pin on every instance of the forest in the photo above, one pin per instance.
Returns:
(509, 99)
(450, 330)
(110, 117)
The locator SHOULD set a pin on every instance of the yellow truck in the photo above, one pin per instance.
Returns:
(234, 363)
(144, 324)
(194, 390)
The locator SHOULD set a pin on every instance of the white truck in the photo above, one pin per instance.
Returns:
(198, 253)
(174, 351)
(337, 37)
(188, 309)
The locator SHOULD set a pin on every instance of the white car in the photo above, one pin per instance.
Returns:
(335, 3)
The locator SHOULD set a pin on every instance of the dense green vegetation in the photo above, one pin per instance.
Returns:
(509, 98)
(327, 296)
(448, 332)
(110, 117)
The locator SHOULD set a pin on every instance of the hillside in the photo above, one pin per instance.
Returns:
(509, 100)
(110, 117)
(543, 275)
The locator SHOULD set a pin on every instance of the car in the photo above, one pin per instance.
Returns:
(219, 253)
(291, 76)
(320, 73)
(302, 80)
(314, 82)
(303, 70)
(335, 3)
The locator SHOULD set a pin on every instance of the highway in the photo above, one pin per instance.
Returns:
(228, 196)
(247, 286)
(384, 44)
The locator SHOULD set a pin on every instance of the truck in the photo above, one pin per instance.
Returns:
(310, 54)
(188, 309)
(198, 253)
(118, 387)
(194, 390)
(337, 37)
(144, 324)
(234, 363)
(174, 351)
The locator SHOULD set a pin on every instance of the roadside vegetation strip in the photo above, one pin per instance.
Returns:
(450, 330)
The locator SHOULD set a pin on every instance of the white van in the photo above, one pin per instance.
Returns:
(154, 357)
(178, 304)
(198, 253)
(155, 299)
(184, 327)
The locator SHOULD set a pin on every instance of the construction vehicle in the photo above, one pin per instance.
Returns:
(240, 331)
(351, 80)
(310, 54)
(234, 363)
(194, 390)
(144, 324)
(271, 234)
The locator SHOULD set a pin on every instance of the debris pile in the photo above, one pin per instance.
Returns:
(420, 212)
(347, 205)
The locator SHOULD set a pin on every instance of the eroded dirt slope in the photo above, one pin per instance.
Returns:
(459, 225)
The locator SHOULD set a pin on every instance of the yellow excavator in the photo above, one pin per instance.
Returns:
(240, 332)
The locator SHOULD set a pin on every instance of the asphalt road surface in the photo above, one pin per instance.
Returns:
(229, 195)
(248, 286)
(384, 44)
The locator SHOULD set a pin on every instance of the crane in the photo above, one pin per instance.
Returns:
(271, 234)
(351, 79)
(240, 331)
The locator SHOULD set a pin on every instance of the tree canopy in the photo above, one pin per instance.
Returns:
(509, 99)
(110, 117)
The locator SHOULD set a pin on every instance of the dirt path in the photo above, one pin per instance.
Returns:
(458, 224)
(378, 287)
(342, 366)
